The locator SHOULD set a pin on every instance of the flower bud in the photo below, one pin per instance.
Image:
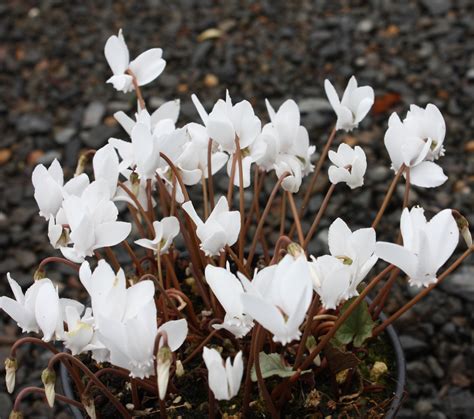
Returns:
(295, 250)
(88, 403)
(463, 226)
(11, 365)
(163, 364)
(15, 415)
(48, 377)
(81, 164)
(39, 274)
(179, 368)
(135, 181)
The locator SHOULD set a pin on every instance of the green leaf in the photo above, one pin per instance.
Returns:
(272, 364)
(357, 327)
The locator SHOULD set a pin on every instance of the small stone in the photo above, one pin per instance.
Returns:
(25, 258)
(469, 147)
(64, 135)
(437, 7)
(435, 367)
(5, 154)
(461, 284)
(314, 104)
(98, 136)
(211, 80)
(365, 25)
(412, 345)
(33, 124)
(48, 158)
(5, 405)
(93, 114)
(423, 407)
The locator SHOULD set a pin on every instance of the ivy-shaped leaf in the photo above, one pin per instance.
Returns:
(272, 364)
(357, 327)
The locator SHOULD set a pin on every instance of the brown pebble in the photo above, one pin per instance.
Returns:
(5, 154)
(211, 80)
(469, 147)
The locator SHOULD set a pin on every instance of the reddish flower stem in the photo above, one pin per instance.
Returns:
(89, 373)
(296, 217)
(263, 218)
(30, 390)
(314, 178)
(319, 216)
(379, 329)
(388, 196)
(56, 259)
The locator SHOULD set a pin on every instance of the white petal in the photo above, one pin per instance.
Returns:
(398, 256)
(116, 54)
(110, 234)
(177, 330)
(47, 310)
(427, 175)
(148, 66)
(331, 94)
(168, 110)
(226, 287)
(264, 313)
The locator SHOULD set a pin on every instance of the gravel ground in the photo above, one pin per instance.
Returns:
(55, 103)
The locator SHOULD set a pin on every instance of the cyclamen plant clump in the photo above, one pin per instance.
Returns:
(260, 322)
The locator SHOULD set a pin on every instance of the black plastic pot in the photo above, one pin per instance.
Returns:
(392, 410)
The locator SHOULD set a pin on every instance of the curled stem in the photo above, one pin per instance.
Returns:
(90, 374)
(31, 390)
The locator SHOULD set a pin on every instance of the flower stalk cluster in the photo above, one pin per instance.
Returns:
(244, 308)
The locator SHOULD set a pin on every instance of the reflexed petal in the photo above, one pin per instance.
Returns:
(331, 94)
(264, 313)
(168, 110)
(47, 310)
(177, 330)
(427, 175)
(226, 287)
(398, 256)
(148, 66)
(111, 233)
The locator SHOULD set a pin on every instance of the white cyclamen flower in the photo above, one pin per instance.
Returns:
(145, 68)
(349, 166)
(354, 105)
(331, 280)
(223, 379)
(427, 245)
(283, 145)
(50, 189)
(92, 222)
(167, 111)
(221, 228)
(194, 156)
(80, 331)
(417, 141)
(39, 309)
(228, 289)
(227, 121)
(165, 231)
(355, 249)
(279, 297)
